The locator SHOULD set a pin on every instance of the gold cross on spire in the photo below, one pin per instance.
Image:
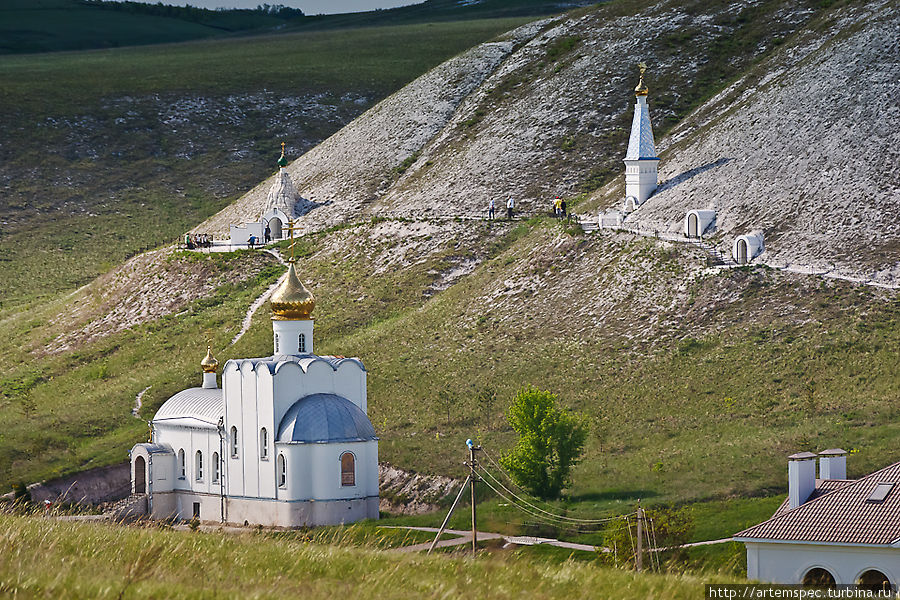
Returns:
(292, 227)
(282, 147)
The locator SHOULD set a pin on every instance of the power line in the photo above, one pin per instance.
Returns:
(498, 467)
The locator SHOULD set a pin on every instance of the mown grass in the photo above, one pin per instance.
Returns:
(104, 561)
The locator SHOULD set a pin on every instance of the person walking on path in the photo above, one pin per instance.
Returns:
(562, 209)
(268, 234)
(510, 205)
(491, 210)
(556, 208)
(251, 241)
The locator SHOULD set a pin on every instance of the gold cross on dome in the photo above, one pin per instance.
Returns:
(292, 227)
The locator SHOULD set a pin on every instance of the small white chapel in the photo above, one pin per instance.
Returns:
(283, 205)
(284, 442)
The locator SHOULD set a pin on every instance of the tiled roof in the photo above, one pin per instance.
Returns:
(841, 516)
(325, 418)
(640, 143)
(823, 486)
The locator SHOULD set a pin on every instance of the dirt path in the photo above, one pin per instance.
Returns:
(248, 318)
(136, 411)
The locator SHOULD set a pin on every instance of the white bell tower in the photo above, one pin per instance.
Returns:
(641, 162)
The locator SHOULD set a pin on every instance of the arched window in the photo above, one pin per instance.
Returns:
(282, 472)
(234, 442)
(263, 444)
(198, 466)
(348, 469)
(874, 580)
(302, 343)
(276, 343)
(181, 466)
(215, 467)
(818, 577)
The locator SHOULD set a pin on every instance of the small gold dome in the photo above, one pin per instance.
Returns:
(292, 301)
(641, 89)
(209, 364)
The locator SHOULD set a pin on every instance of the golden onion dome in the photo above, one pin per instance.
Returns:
(641, 89)
(292, 301)
(209, 364)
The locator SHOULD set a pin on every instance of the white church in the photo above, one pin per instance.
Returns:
(283, 205)
(284, 442)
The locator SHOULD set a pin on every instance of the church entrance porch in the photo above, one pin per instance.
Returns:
(275, 228)
(692, 226)
(742, 252)
(140, 475)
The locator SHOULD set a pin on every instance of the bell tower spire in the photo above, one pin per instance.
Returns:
(641, 162)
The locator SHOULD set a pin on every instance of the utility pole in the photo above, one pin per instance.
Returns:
(639, 562)
(472, 479)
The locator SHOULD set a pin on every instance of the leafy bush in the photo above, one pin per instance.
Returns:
(551, 442)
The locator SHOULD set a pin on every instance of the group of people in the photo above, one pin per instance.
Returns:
(559, 208)
(510, 205)
(197, 240)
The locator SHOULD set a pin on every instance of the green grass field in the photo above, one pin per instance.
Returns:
(104, 561)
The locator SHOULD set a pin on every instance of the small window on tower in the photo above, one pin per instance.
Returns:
(276, 343)
(215, 467)
(302, 343)
(348, 469)
(264, 444)
(282, 472)
(234, 442)
(181, 467)
(198, 467)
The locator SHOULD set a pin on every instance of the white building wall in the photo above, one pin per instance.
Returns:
(265, 471)
(788, 563)
(350, 382)
(248, 458)
(289, 385)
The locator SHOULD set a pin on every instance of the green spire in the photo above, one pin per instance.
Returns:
(283, 161)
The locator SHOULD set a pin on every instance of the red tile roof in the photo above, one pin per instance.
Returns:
(839, 516)
(823, 486)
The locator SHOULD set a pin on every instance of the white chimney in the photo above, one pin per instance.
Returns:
(833, 464)
(801, 478)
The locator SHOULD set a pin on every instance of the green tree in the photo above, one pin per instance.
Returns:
(551, 441)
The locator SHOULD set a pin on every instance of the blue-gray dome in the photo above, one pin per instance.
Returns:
(325, 418)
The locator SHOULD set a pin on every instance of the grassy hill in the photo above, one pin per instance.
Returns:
(697, 382)
(28, 26)
(107, 153)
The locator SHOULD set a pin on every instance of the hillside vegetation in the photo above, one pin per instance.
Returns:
(104, 154)
(697, 381)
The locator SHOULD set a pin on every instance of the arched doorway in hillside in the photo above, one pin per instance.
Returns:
(874, 580)
(692, 225)
(140, 475)
(819, 577)
(275, 227)
(742, 252)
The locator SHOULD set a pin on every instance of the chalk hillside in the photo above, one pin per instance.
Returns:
(802, 145)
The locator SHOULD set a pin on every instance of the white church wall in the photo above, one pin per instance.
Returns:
(350, 382)
(161, 469)
(289, 385)
(298, 467)
(319, 377)
(265, 471)
(240, 234)
(788, 563)
(248, 457)
(326, 461)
